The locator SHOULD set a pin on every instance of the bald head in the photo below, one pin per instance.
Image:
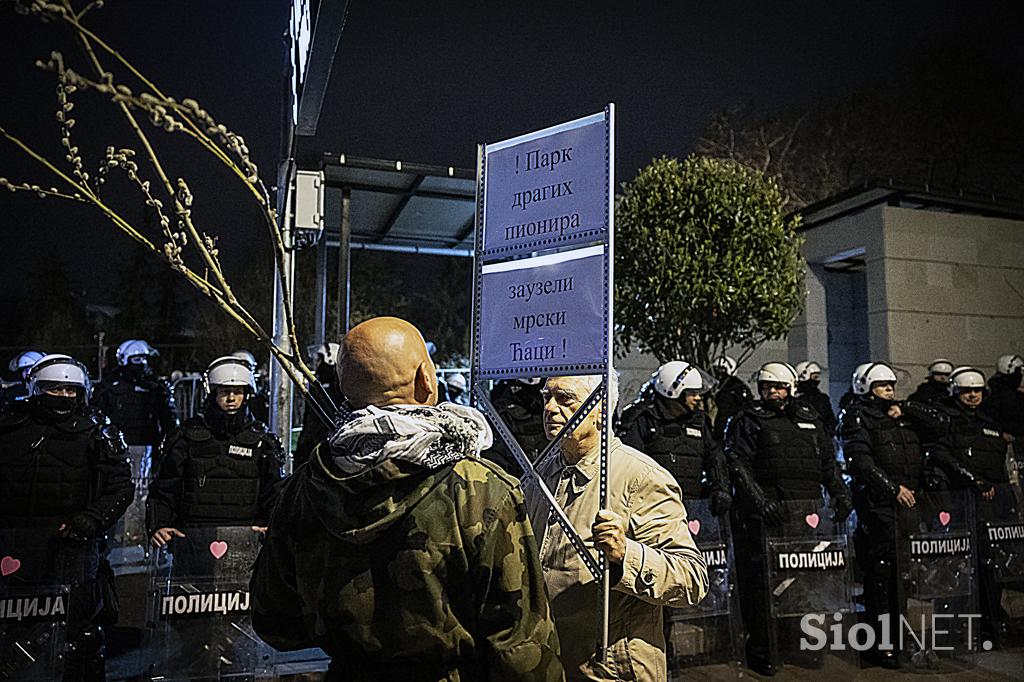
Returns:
(384, 361)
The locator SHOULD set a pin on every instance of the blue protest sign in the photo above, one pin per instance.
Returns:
(545, 315)
(547, 189)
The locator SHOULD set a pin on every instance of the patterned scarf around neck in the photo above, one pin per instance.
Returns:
(428, 436)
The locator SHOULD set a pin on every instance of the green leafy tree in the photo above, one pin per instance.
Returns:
(705, 260)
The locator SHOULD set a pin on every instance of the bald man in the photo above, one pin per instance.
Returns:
(396, 549)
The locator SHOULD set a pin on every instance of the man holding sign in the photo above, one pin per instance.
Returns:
(643, 532)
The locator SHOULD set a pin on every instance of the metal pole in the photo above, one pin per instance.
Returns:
(280, 384)
(606, 435)
(344, 263)
(320, 316)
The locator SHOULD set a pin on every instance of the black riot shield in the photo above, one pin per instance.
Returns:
(707, 635)
(936, 582)
(1001, 564)
(199, 623)
(128, 540)
(35, 595)
(810, 588)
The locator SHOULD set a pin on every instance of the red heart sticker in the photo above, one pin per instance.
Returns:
(945, 518)
(218, 549)
(812, 520)
(694, 526)
(9, 565)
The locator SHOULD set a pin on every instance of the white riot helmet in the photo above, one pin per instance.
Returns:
(777, 373)
(530, 381)
(873, 373)
(229, 371)
(57, 370)
(858, 370)
(805, 369)
(324, 353)
(965, 377)
(726, 364)
(940, 366)
(675, 378)
(20, 364)
(245, 355)
(1008, 364)
(457, 381)
(133, 348)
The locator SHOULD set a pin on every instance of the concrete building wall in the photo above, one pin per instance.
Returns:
(954, 288)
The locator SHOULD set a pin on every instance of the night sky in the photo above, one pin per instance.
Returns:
(425, 82)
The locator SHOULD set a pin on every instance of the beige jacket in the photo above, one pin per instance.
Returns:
(662, 566)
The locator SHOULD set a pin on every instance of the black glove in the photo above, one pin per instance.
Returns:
(773, 513)
(721, 501)
(981, 485)
(843, 507)
(79, 529)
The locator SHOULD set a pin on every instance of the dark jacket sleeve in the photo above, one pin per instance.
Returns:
(270, 477)
(831, 476)
(715, 465)
(113, 489)
(514, 621)
(633, 428)
(856, 441)
(740, 452)
(165, 412)
(276, 602)
(165, 491)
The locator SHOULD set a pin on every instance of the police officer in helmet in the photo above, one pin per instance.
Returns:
(135, 398)
(808, 375)
(884, 442)
(975, 459)
(65, 481)
(19, 365)
(778, 450)
(220, 468)
(936, 387)
(668, 424)
(732, 395)
(521, 407)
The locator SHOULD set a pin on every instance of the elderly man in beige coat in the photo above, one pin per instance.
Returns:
(654, 561)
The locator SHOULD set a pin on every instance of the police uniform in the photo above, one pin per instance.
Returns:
(65, 469)
(882, 454)
(774, 456)
(216, 470)
(684, 445)
(732, 397)
(522, 410)
(140, 405)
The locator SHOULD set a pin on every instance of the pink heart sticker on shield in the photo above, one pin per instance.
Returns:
(945, 518)
(218, 549)
(812, 520)
(694, 526)
(9, 565)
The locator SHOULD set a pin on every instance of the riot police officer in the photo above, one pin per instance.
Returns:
(668, 424)
(521, 407)
(976, 460)
(778, 450)
(884, 443)
(20, 366)
(314, 431)
(135, 398)
(220, 468)
(732, 396)
(65, 480)
(935, 387)
(808, 376)
(1006, 402)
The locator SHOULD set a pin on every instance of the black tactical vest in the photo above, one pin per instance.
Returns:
(221, 475)
(46, 468)
(789, 456)
(895, 447)
(676, 444)
(527, 427)
(978, 444)
(133, 409)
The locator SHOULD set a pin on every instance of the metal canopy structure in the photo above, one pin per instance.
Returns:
(398, 206)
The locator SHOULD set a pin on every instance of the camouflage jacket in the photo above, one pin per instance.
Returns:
(403, 572)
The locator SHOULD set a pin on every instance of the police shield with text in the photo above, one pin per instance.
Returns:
(884, 444)
(65, 481)
(781, 459)
(976, 460)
